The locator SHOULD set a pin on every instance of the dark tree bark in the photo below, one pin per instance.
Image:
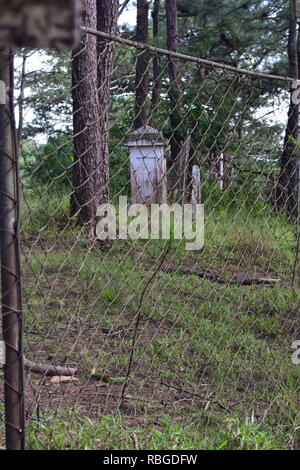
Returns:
(142, 72)
(107, 20)
(286, 197)
(88, 175)
(172, 40)
(157, 82)
(123, 6)
(174, 95)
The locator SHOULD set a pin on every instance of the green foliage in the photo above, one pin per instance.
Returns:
(240, 336)
(247, 33)
(48, 95)
(108, 432)
(48, 164)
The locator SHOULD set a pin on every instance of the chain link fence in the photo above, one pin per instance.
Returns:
(140, 342)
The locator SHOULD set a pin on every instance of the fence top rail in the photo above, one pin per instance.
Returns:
(210, 63)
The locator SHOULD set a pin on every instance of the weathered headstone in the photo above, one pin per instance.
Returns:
(40, 23)
(148, 166)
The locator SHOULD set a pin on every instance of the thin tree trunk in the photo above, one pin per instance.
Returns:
(142, 62)
(123, 7)
(88, 177)
(157, 82)
(286, 198)
(172, 41)
(174, 94)
(107, 20)
(21, 99)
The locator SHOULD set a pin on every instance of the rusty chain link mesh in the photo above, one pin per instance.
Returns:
(186, 349)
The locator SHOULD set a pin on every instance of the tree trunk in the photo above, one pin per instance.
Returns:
(88, 177)
(156, 91)
(142, 72)
(123, 7)
(286, 197)
(174, 95)
(21, 99)
(107, 20)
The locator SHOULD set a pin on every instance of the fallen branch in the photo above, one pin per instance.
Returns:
(222, 280)
(48, 370)
(193, 394)
(135, 441)
(216, 402)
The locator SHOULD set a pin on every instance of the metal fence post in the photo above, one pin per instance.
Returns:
(10, 262)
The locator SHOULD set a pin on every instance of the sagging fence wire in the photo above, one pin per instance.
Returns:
(144, 335)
